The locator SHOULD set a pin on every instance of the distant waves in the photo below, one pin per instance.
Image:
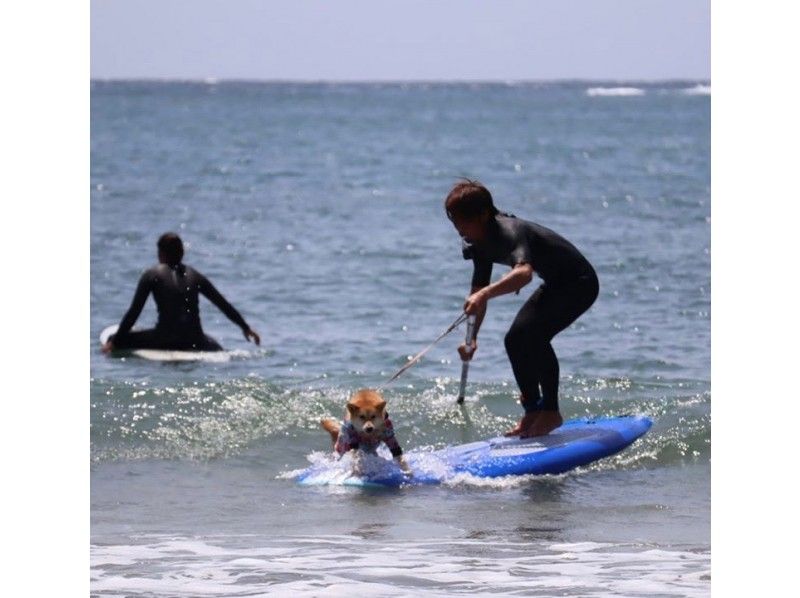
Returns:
(697, 90)
(615, 91)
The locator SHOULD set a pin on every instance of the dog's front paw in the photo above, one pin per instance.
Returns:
(359, 468)
(404, 466)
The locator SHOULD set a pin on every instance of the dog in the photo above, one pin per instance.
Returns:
(366, 425)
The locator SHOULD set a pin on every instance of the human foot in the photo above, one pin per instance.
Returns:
(543, 425)
(527, 420)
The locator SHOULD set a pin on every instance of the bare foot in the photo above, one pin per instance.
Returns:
(527, 421)
(543, 425)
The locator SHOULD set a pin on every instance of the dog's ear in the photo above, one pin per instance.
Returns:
(353, 409)
(381, 407)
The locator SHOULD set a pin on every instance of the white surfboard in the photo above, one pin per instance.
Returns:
(167, 355)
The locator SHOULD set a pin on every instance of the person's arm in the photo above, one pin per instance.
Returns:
(213, 295)
(513, 281)
(135, 309)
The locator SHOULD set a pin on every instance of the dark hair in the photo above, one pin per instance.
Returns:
(469, 199)
(171, 246)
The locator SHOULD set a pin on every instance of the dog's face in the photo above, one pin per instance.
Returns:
(366, 411)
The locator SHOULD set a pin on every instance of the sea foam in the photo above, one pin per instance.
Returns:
(220, 566)
(698, 90)
(615, 91)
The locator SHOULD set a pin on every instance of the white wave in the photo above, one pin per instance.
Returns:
(498, 483)
(698, 90)
(615, 91)
(220, 566)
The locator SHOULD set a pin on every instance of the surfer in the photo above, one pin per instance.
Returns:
(570, 287)
(175, 287)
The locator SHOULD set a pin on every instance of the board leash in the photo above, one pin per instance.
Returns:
(458, 321)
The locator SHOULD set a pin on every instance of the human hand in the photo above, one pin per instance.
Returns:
(107, 347)
(466, 352)
(251, 334)
(476, 302)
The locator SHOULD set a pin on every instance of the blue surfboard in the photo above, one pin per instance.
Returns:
(577, 442)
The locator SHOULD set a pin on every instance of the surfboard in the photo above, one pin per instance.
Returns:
(578, 442)
(165, 355)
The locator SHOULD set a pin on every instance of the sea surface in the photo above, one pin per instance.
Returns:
(316, 209)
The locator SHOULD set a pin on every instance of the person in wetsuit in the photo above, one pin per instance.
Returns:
(570, 287)
(176, 288)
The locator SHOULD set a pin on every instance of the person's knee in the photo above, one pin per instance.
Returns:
(514, 340)
(122, 341)
(530, 340)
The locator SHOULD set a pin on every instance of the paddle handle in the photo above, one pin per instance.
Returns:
(465, 364)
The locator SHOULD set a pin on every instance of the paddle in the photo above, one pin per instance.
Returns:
(465, 364)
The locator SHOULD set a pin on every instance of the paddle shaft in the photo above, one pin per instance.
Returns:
(465, 364)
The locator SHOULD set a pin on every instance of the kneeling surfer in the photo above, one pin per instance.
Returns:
(570, 287)
(175, 287)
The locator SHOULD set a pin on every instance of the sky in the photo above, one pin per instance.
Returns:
(374, 40)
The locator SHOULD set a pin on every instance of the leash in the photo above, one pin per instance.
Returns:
(459, 320)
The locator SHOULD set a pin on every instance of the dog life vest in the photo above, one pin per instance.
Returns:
(349, 438)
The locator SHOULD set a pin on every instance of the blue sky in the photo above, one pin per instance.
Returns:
(402, 40)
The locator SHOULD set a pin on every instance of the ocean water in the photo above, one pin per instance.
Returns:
(317, 210)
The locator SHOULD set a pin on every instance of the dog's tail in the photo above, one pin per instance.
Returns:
(331, 426)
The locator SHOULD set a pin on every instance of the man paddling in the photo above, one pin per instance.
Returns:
(570, 287)
(176, 288)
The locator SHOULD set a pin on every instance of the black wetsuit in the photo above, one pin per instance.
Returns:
(176, 291)
(569, 289)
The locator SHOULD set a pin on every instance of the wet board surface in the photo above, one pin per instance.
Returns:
(578, 442)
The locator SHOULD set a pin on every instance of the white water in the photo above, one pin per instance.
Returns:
(341, 565)
(615, 91)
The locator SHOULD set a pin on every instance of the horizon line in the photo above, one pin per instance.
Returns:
(505, 81)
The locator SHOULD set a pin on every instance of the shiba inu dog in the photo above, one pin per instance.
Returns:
(366, 425)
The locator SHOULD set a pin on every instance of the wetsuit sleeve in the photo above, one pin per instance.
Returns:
(481, 273)
(139, 298)
(389, 438)
(213, 295)
(521, 255)
(482, 268)
(524, 250)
